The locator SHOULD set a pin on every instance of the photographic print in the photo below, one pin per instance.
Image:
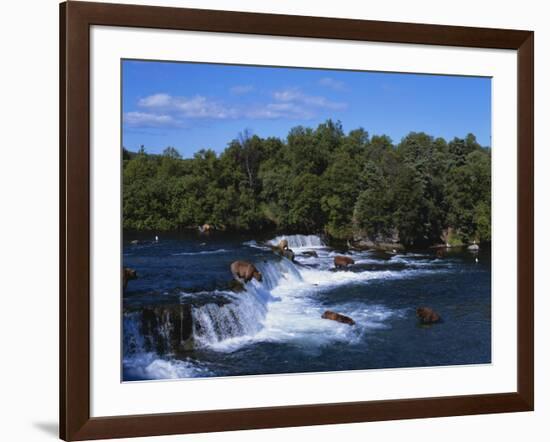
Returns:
(285, 220)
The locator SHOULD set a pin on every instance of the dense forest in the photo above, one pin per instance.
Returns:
(318, 181)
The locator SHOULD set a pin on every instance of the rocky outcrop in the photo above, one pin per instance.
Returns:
(288, 254)
(164, 329)
(451, 238)
(311, 253)
(333, 316)
(388, 243)
(236, 286)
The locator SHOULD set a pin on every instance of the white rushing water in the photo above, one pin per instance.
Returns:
(150, 366)
(299, 241)
(285, 305)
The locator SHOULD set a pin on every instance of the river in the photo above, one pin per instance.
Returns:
(181, 320)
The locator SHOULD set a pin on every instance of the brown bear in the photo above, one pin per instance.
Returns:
(282, 249)
(127, 275)
(338, 317)
(427, 315)
(245, 271)
(342, 261)
(283, 245)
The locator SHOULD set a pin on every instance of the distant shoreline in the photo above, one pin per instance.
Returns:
(265, 235)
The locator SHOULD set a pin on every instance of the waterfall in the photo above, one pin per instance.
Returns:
(134, 342)
(173, 329)
(244, 316)
(213, 324)
(299, 241)
(161, 329)
(273, 272)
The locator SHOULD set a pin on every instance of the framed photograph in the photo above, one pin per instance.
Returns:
(272, 221)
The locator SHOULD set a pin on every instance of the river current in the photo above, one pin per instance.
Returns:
(181, 318)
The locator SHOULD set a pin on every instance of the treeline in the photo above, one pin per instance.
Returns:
(317, 181)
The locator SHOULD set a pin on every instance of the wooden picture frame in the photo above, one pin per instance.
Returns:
(75, 21)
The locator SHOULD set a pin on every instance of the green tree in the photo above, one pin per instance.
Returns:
(317, 180)
(341, 184)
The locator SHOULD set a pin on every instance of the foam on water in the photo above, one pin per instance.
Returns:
(151, 366)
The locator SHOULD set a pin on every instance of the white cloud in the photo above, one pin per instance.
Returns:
(291, 94)
(145, 119)
(292, 110)
(332, 83)
(241, 89)
(274, 111)
(195, 107)
(262, 113)
(164, 110)
(155, 101)
(294, 95)
(292, 103)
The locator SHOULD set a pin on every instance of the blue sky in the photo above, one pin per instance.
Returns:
(191, 106)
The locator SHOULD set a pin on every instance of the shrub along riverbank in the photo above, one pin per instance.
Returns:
(347, 186)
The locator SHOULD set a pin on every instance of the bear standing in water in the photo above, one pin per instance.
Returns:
(333, 316)
(283, 245)
(427, 316)
(127, 275)
(243, 270)
(343, 261)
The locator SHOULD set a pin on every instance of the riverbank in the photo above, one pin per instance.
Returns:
(358, 241)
